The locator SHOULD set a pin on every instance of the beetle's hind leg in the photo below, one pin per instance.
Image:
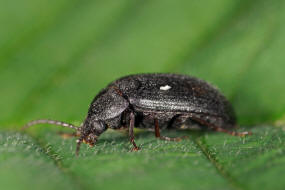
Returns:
(219, 129)
(157, 134)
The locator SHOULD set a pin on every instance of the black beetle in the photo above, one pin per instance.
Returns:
(159, 100)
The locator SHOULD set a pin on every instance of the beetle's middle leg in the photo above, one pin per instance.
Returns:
(157, 134)
(131, 132)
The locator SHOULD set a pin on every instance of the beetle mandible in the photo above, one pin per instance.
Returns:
(156, 100)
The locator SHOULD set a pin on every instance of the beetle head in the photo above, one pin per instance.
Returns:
(90, 139)
(90, 131)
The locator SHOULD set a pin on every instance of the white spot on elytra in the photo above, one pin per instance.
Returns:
(166, 87)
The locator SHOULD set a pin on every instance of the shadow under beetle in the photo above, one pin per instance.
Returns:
(160, 100)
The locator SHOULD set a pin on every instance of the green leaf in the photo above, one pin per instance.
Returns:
(55, 56)
(24, 165)
(225, 162)
(255, 162)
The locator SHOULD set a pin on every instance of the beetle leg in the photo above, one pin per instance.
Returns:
(131, 132)
(219, 129)
(157, 134)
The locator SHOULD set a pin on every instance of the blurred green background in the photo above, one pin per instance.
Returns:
(55, 56)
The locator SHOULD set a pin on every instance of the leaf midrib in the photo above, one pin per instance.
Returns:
(220, 169)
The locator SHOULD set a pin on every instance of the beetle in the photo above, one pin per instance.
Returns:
(159, 101)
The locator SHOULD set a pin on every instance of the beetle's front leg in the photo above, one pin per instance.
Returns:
(131, 132)
(157, 134)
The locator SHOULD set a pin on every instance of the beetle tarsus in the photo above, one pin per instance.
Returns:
(234, 133)
(134, 149)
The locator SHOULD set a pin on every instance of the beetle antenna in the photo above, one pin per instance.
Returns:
(52, 122)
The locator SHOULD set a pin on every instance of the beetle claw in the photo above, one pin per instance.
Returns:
(135, 149)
